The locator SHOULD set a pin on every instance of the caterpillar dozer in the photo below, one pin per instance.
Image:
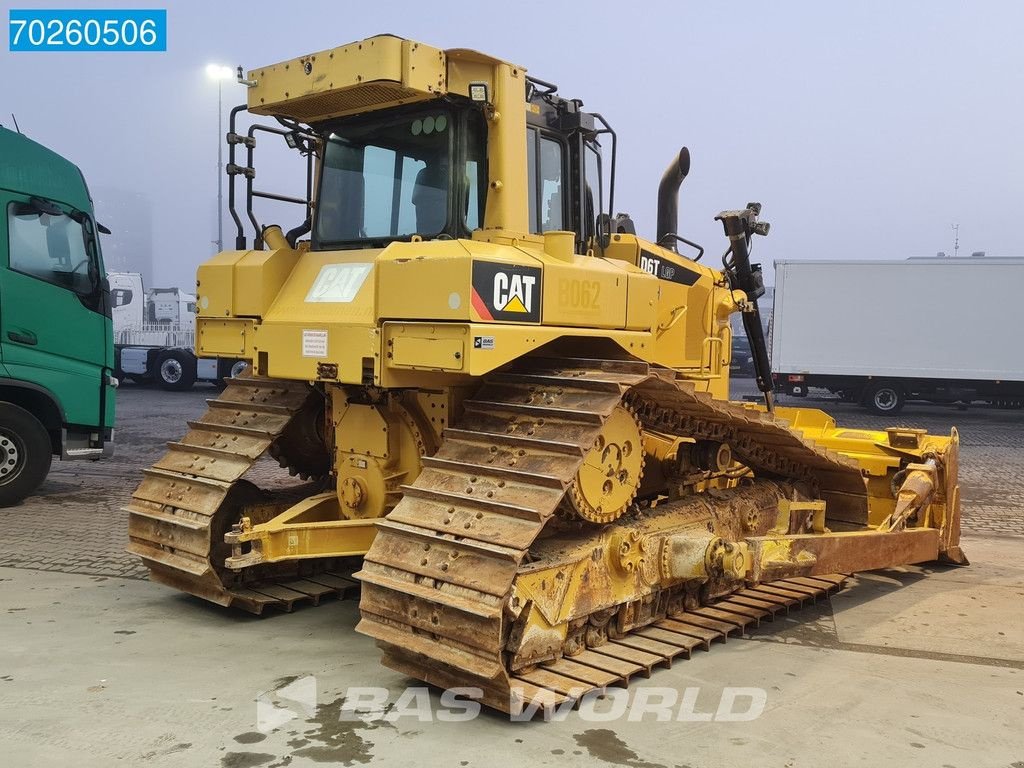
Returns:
(509, 405)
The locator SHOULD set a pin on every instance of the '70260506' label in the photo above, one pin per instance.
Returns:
(96, 30)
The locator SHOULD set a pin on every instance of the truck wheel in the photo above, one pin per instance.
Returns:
(175, 371)
(25, 454)
(231, 372)
(884, 398)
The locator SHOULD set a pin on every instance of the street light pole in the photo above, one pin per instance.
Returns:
(220, 165)
(220, 74)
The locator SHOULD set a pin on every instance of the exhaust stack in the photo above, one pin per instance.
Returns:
(668, 196)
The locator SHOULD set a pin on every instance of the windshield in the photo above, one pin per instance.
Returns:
(391, 178)
(52, 247)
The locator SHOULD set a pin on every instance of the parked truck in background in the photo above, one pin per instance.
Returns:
(882, 333)
(56, 347)
(154, 336)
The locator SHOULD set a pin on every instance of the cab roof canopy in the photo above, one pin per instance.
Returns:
(378, 72)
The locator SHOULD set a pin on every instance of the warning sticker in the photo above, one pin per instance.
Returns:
(314, 344)
(483, 342)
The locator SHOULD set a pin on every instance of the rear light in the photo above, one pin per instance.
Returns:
(794, 377)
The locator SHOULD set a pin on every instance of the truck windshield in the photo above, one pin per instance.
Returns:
(54, 248)
(390, 178)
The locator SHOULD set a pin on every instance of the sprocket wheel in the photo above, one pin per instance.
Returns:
(301, 448)
(609, 478)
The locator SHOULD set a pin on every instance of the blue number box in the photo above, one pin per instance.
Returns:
(87, 30)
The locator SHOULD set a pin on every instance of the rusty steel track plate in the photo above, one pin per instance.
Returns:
(564, 682)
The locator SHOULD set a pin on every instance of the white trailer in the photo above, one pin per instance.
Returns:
(154, 336)
(944, 330)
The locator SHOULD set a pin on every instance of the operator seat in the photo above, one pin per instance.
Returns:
(430, 197)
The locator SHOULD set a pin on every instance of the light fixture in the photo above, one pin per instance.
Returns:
(219, 72)
(478, 91)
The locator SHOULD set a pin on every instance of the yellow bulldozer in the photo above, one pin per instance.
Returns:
(513, 409)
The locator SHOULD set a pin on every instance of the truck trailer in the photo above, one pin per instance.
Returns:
(154, 336)
(842, 326)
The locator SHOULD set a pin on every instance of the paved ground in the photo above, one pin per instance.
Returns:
(76, 522)
(98, 666)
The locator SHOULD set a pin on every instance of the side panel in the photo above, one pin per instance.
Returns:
(455, 308)
(692, 309)
(936, 319)
(590, 293)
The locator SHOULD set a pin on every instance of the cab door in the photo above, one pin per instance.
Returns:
(54, 329)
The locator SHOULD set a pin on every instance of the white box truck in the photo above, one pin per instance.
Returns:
(881, 333)
(154, 336)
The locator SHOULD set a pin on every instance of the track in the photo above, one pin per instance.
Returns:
(438, 579)
(190, 498)
(565, 681)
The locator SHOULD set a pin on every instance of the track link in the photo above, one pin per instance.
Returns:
(437, 580)
(188, 500)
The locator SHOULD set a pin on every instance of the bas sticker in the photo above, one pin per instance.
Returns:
(338, 283)
(483, 342)
(314, 344)
(506, 292)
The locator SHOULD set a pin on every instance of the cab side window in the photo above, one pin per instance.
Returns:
(593, 195)
(120, 297)
(49, 247)
(544, 157)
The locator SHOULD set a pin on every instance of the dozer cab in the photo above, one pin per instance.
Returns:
(512, 407)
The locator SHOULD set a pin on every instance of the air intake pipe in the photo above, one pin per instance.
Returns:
(668, 197)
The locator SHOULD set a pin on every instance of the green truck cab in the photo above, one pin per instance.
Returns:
(56, 344)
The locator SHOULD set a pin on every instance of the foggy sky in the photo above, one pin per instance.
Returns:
(866, 129)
